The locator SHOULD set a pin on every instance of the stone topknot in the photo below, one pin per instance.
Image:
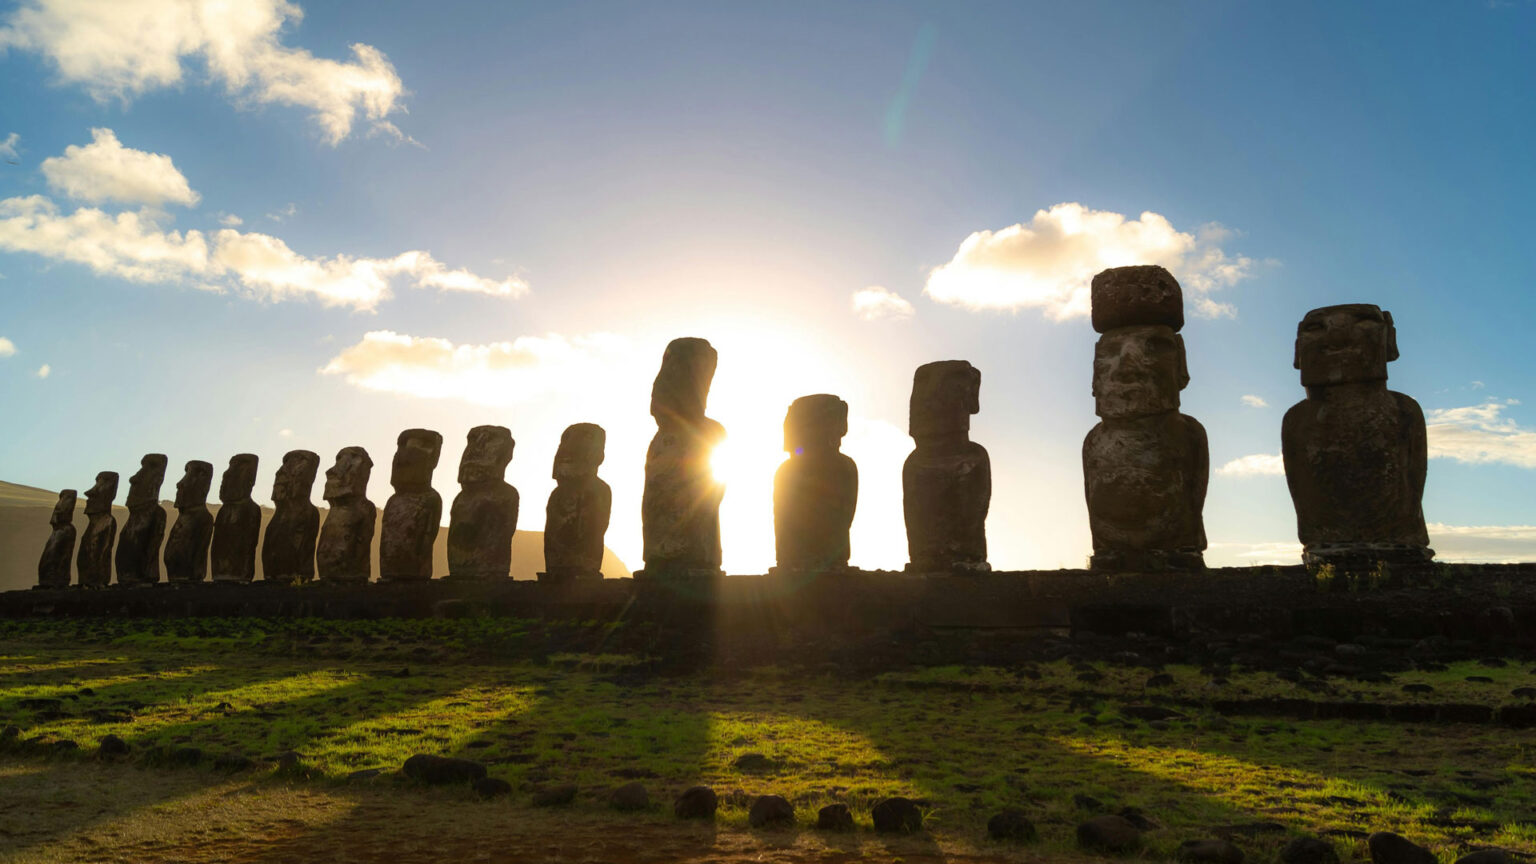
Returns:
(1129, 296)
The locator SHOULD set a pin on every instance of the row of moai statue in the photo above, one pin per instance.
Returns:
(296, 546)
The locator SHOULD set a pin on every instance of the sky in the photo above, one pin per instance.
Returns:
(310, 225)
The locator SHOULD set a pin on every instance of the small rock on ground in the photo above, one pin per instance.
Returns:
(555, 796)
(436, 770)
(753, 762)
(630, 796)
(111, 745)
(1113, 834)
(1210, 852)
(770, 810)
(1389, 848)
(896, 816)
(1486, 856)
(1309, 850)
(834, 817)
(1012, 826)
(696, 802)
(492, 787)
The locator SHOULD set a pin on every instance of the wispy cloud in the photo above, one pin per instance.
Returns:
(875, 303)
(1255, 465)
(8, 146)
(105, 170)
(44, 371)
(230, 220)
(1253, 401)
(1480, 434)
(1048, 262)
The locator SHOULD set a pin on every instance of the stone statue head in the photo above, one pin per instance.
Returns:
(348, 478)
(1343, 344)
(1138, 371)
(239, 478)
(486, 455)
(581, 451)
(144, 485)
(295, 478)
(192, 488)
(944, 396)
(64, 511)
(681, 390)
(816, 423)
(1132, 296)
(416, 454)
(98, 498)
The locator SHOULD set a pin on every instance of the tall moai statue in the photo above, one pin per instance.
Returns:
(947, 481)
(576, 518)
(237, 528)
(53, 567)
(680, 508)
(345, 550)
(484, 513)
(1145, 465)
(413, 515)
(186, 549)
(1355, 452)
(138, 546)
(816, 490)
(94, 560)
(288, 547)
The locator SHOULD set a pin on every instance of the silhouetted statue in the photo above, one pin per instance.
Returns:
(1355, 452)
(484, 514)
(1145, 465)
(94, 560)
(138, 547)
(53, 567)
(577, 515)
(186, 549)
(680, 509)
(288, 548)
(345, 551)
(237, 527)
(947, 481)
(413, 515)
(816, 489)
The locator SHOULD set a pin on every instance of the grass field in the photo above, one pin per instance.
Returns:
(210, 707)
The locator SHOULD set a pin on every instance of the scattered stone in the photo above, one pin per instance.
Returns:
(64, 745)
(1418, 688)
(289, 762)
(1209, 852)
(1523, 692)
(816, 489)
(555, 796)
(834, 817)
(897, 816)
(947, 481)
(186, 549)
(1150, 713)
(491, 787)
(770, 811)
(111, 746)
(1087, 802)
(237, 527)
(364, 774)
(1486, 856)
(1479, 679)
(629, 797)
(53, 569)
(1011, 826)
(696, 802)
(413, 515)
(484, 513)
(1134, 816)
(288, 549)
(1389, 848)
(439, 770)
(1309, 850)
(1112, 834)
(754, 762)
(576, 517)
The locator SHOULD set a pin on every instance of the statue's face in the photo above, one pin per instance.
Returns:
(239, 478)
(681, 389)
(816, 423)
(296, 476)
(349, 476)
(144, 485)
(98, 498)
(416, 456)
(1343, 344)
(1138, 371)
(192, 488)
(944, 396)
(64, 511)
(581, 451)
(486, 454)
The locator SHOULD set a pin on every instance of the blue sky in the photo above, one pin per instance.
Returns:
(502, 214)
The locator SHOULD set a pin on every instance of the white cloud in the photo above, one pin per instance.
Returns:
(497, 373)
(1499, 544)
(1049, 262)
(44, 371)
(875, 303)
(127, 245)
(1257, 464)
(7, 347)
(8, 146)
(230, 220)
(1281, 552)
(1253, 401)
(287, 212)
(1480, 434)
(117, 49)
(105, 170)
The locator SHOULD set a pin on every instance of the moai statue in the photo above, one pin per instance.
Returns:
(680, 508)
(577, 515)
(413, 515)
(53, 567)
(345, 551)
(138, 547)
(186, 549)
(1355, 452)
(94, 560)
(816, 489)
(1145, 465)
(484, 514)
(237, 528)
(947, 481)
(288, 548)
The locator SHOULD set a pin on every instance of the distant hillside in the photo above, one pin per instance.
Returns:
(24, 513)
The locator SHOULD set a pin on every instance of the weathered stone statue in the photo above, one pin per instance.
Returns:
(237, 527)
(138, 547)
(816, 489)
(186, 549)
(680, 508)
(947, 481)
(53, 567)
(288, 548)
(577, 515)
(345, 551)
(484, 514)
(94, 560)
(1145, 465)
(1355, 452)
(413, 515)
